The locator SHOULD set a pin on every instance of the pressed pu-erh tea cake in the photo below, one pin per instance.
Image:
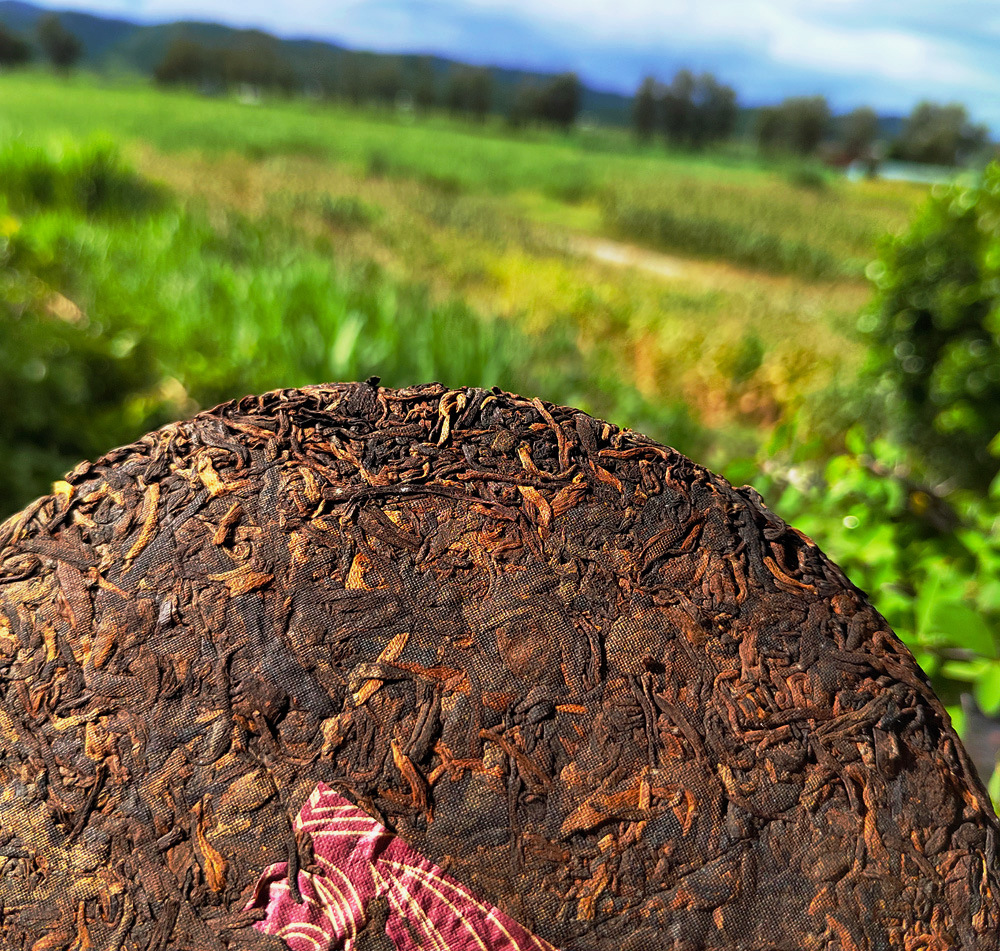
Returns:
(351, 667)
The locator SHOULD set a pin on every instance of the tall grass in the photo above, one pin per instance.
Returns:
(89, 180)
(767, 224)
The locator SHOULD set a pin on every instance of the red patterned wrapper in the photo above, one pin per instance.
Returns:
(358, 860)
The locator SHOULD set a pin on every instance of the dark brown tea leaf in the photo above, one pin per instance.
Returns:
(592, 682)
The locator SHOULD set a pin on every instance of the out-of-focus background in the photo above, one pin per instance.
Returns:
(766, 234)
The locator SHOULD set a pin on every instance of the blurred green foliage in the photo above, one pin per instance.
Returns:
(66, 381)
(90, 180)
(935, 331)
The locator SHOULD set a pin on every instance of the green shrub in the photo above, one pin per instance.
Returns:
(809, 177)
(935, 331)
(90, 178)
(348, 211)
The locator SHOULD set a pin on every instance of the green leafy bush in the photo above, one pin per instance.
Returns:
(348, 211)
(90, 178)
(935, 331)
(66, 381)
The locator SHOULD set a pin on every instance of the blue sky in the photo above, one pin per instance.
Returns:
(887, 53)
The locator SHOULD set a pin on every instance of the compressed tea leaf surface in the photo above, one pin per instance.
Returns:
(592, 683)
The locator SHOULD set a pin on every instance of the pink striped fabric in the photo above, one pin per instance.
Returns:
(358, 859)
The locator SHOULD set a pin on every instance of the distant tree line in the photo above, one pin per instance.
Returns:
(797, 125)
(58, 45)
(360, 78)
(940, 135)
(254, 59)
(696, 111)
(469, 93)
(691, 112)
(932, 133)
(556, 102)
(14, 50)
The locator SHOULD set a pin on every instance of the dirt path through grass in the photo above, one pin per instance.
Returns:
(619, 254)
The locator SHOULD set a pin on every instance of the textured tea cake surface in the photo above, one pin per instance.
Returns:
(602, 689)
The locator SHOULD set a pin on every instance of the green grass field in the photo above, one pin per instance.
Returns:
(765, 275)
(648, 286)
(162, 252)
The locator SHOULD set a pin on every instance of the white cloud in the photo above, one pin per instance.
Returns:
(893, 54)
(794, 32)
